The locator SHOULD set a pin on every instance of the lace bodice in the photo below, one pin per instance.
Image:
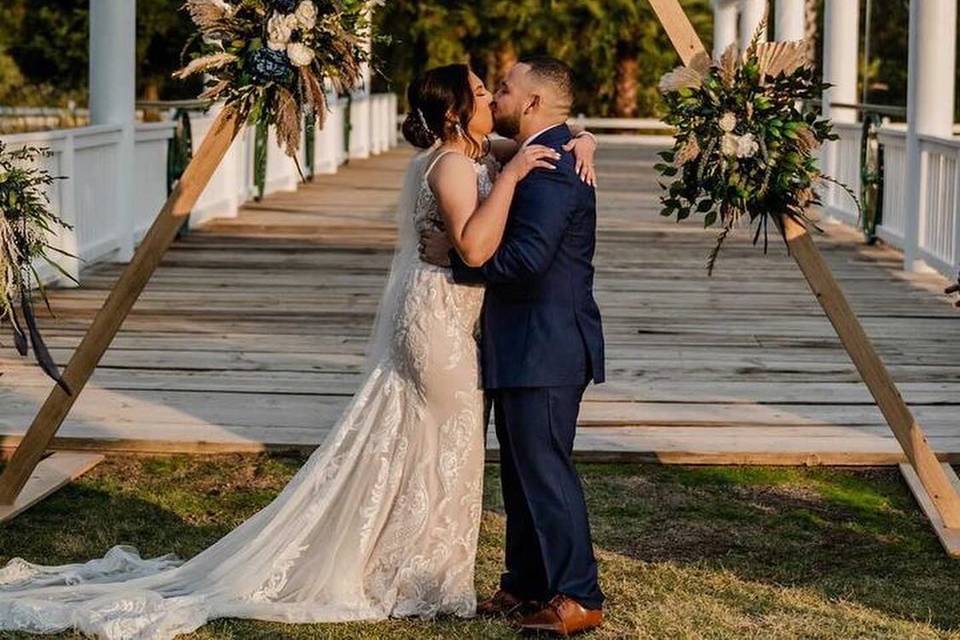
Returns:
(427, 213)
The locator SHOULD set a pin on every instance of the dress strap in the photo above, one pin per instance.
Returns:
(434, 162)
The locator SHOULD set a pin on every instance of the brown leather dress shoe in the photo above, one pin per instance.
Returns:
(563, 616)
(503, 603)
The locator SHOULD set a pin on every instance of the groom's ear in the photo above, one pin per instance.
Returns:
(535, 102)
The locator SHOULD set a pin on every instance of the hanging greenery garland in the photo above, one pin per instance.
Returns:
(270, 59)
(746, 137)
(26, 225)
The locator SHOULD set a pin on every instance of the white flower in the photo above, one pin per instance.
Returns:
(306, 15)
(279, 30)
(300, 54)
(747, 146)
(728, 121)
(729, 145)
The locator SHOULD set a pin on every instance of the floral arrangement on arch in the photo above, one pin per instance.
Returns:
(746, 137)
(26, 225)
(270, 59)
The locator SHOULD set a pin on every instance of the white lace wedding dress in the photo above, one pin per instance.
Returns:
(381, 521)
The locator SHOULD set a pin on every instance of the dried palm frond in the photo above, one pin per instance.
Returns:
(775, 58)
(729, 62)
(701, 63)
(806, 139)
(206, 63)
(314, 94)
(689, 151)
(210, 16)
(680, 78)
(213, 92)
(288, 121)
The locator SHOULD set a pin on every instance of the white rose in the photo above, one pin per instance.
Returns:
(729, 145)
(728, 122)
(279, 30)
(747, 146)
(306, 15)
(300, 54)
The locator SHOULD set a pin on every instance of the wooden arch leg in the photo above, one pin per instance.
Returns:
(929, 472)
(122, 297)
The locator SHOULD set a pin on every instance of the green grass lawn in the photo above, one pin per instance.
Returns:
(685, 552)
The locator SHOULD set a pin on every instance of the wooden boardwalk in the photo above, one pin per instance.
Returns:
(252, 332)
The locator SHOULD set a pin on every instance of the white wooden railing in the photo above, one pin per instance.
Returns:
(88, 157)
(893, 223)
(844, 165)
(937, 219)
(938, 236)
(86, 200)
(373, 122)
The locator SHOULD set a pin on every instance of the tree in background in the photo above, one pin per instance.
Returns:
(620, 51)
(416, 36)
(162, 32)
(44, 53)
(616, 47)
(45, 44)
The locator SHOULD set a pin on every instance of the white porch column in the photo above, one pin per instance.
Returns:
(790, 20)
(113, 41)
(752, 13)
(360, 113)
(841, 37)
(725, 14)
(930, 100)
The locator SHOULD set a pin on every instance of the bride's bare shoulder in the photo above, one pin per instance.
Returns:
(451, 170)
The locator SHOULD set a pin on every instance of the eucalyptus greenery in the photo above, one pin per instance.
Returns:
(746, 136)
(26, 226)
(271, 59)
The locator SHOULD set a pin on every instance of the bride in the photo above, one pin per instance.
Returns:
(383, 518)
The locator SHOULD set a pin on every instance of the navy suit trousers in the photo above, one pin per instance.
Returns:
(549, 549)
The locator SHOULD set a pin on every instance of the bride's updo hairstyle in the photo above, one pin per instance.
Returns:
(431, 96)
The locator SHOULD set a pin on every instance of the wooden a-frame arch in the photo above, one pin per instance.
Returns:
(933, 484)
(115, 310)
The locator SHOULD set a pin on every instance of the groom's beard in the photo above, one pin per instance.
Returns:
(507, 124)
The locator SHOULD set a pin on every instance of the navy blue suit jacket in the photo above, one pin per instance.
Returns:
(541, 325)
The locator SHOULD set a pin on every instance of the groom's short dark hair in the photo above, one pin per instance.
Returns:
(557, 72)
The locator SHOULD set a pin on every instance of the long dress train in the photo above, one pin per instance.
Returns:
(382, 520)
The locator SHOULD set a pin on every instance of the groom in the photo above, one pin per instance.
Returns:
(542, 344)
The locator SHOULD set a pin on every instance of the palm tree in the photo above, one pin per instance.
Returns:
(624, 50)
(812, 12)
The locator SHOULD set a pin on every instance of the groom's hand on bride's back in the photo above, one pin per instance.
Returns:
(435, 248)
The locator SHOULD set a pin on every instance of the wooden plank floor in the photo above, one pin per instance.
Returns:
(252, 332)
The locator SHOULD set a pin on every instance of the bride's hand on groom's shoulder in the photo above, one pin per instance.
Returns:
(584, 147)
(534, 156)
(435, 248)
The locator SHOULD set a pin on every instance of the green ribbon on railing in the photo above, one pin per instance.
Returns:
(309, 151)
(871, 176)
(179, 155)
(347, 126)
(260, 157)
